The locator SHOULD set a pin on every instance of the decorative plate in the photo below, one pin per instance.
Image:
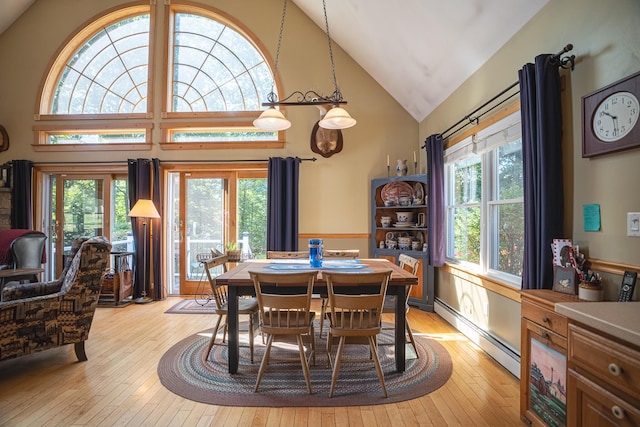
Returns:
(394, 190)
(419, 237)
(404, 224)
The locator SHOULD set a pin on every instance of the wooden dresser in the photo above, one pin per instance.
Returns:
(543, 358)
(603, 358)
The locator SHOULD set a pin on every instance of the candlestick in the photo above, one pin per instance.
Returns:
(387, 160)
(415, 167)
(414, 157)
(388, 169)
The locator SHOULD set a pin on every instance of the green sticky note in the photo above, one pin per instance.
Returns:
(591, 215)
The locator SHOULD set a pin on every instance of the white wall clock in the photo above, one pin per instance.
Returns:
(610, 117)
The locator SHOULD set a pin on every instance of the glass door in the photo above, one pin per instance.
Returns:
(202, 202)
(76, 210)
(83, 205)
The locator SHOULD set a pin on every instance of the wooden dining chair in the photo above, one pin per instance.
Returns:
(286, 313)
(246, 306)
(330, 254)
(355, 316)
(410, 264)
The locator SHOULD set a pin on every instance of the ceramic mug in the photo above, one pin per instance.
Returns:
(391, 244)
(389, 203)
(385, 221)
(416, 245)
(404, 201)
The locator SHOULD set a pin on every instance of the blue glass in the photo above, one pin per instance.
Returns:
(315, 253)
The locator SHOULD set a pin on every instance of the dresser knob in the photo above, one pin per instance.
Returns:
(545, 335)
(545, 319)
(617, 412)
(614, 369)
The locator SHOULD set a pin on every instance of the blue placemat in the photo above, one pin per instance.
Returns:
(351, 264)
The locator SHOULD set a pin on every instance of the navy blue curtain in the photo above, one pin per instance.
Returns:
(139, 179)
(156, 226)
(21, 194)
(282, 204)
(435, 204)
(542, 160)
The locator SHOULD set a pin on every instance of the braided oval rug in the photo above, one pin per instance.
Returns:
(185, 371)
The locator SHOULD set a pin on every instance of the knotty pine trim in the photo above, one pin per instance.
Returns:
(612, 267)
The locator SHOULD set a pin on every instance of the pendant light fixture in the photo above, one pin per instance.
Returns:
(336, 118)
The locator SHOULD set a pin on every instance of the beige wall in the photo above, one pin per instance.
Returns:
(334, 192)
(606, 39)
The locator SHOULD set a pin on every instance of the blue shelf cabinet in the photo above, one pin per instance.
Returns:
(421, 295)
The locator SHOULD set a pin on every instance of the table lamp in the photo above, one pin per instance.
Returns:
(145, 209)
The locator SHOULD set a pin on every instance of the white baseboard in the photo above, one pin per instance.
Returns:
(503, 355)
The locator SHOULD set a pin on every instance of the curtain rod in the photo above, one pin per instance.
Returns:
(566, 62)
(310, 159)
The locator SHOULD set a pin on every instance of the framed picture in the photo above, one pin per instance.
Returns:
(565, 280)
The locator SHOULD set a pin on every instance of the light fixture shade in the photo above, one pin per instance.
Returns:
(144, 208)
(337, 118)
(272, 119)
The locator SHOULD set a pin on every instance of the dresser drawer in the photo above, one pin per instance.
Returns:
(606, 359)
(545, 318)
(593, 405)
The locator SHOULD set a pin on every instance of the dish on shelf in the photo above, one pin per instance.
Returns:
(394, 190)
(404, 224)
(419, 237)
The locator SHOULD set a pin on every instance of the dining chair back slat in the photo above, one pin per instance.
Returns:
(284, 301)
(287, 254)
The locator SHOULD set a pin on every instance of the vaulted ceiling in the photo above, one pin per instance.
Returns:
(420, 51)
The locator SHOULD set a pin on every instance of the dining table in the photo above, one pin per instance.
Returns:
(239, 283)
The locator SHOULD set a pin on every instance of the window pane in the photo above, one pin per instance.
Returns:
(205, 220)
(121, 235)
(510, 230)
(215, 68)
(252, 217)
(209, 136)
(467, 181)
(510, 173)
(466, 234)
(109, 73)
(97, 138)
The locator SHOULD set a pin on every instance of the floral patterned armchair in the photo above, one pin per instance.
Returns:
(40, 316)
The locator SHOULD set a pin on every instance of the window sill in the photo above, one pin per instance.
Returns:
(486, 282)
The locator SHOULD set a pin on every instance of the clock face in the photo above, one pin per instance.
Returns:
(615, 116)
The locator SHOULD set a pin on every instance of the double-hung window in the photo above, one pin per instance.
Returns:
(484, 201)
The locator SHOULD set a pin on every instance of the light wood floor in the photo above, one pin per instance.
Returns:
(119, 385)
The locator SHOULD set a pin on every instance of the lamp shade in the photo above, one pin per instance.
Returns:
(272, 119)
(337, 118)
(144, 208)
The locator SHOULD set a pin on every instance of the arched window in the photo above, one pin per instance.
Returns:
(97, 94)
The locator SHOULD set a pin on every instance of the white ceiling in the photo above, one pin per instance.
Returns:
(420, 51)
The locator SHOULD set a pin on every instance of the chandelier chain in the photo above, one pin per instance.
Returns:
(337, 96)
(273, 97)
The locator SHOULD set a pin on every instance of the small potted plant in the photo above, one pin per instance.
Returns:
(232, 251)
